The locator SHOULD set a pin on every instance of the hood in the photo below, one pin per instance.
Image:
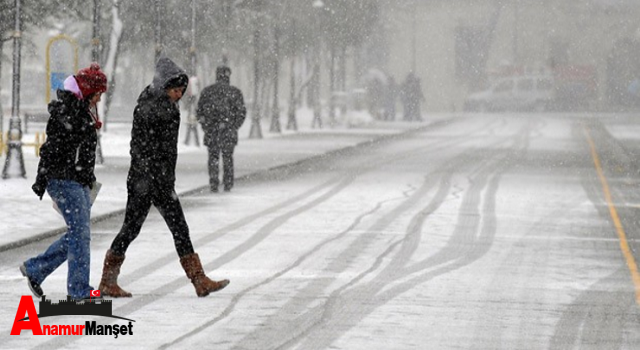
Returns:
(70, 84)
(166, 70)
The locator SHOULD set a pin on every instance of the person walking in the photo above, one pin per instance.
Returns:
(221, 112)
(151, 180)
(390, 99)
(66, 172)
(412, 96)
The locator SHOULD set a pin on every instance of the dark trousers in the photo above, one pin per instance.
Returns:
(141, 196)
(226, 149)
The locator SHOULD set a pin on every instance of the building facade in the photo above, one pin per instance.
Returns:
(456, 47)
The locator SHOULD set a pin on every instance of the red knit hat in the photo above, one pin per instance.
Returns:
(91, 80)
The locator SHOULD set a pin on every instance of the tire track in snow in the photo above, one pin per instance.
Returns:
(351, 306)
(429, 149)
(179, 282)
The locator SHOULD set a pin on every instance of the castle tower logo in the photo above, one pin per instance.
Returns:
(76, 307)
(28, 319)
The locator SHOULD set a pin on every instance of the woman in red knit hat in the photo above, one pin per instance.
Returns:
(66, 172)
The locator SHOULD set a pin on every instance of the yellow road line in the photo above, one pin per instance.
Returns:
(624, 244)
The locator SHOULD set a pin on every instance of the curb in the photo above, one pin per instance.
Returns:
(203, 189)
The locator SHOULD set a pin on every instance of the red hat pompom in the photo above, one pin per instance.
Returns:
(91, 80)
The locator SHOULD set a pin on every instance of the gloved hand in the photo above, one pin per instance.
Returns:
(40, 186)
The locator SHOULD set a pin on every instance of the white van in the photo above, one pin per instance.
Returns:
(533, 93)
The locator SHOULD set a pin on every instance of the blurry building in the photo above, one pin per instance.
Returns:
(456, 47)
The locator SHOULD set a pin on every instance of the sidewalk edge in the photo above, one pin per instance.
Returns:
(201, 189)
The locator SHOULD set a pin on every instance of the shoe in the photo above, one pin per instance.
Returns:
(213, 189)
(35, 287)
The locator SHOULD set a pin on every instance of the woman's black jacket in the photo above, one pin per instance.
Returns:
(69, 153)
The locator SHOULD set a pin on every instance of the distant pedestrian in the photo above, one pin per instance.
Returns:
(391, 94)
(221, 112)
(151, 180)
(66, 172)
(375, 95)
(412, 97)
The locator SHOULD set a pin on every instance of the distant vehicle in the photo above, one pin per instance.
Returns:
(517, 93)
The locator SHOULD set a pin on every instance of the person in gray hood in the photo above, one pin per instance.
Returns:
(151, 180)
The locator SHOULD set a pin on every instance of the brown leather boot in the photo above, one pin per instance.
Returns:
(192, 266)
(110, 271)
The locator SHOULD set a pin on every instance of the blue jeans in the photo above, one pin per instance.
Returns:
(74, 202)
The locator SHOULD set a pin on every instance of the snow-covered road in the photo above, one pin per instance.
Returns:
(478, 232)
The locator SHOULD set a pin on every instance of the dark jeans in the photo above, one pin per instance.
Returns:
(215, 149)
(141, 195)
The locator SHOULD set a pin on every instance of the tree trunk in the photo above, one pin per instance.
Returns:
(292, 123)
(342, 76)
(112, 62)
(275, 108)
(332, 87)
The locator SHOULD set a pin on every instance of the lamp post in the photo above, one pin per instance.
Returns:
(15, 129)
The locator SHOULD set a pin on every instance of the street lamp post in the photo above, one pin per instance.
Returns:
(15, 129)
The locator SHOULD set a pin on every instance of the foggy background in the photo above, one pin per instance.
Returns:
(335, 55)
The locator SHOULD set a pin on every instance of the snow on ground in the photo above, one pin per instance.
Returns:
(23, 216)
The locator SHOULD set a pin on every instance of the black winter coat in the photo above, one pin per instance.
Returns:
(221, 111)
(69, 153)
(154, 133)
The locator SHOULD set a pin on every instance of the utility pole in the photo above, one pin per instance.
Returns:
(15, 129)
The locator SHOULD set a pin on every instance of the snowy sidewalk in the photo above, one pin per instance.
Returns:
(25, 218)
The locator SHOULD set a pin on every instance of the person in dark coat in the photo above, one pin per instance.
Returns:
(412, 97)
(151, 180)
(66, 172)
(221, 112)
(390, 99)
